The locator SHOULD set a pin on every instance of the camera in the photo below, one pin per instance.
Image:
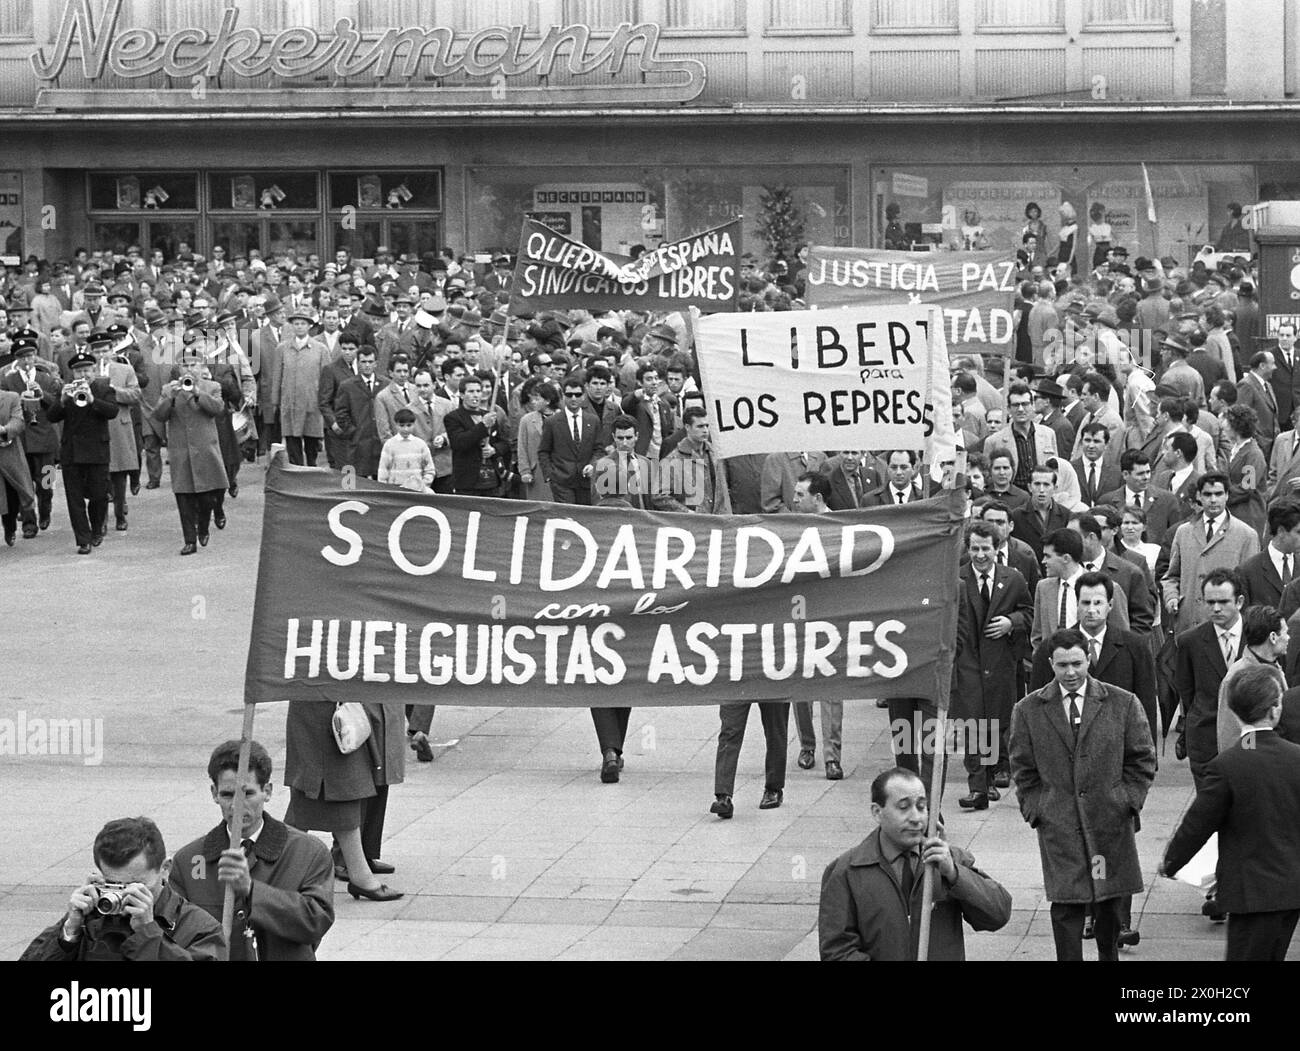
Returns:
(110, 898)
(187, 384)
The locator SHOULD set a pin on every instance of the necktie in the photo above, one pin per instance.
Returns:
(248, 849)
(405, 396)
(1092, 651)
(898, 496)
(1092, 478)
(909, 877)
(1060, 611)
(1209, 529)
(577, 431)
(1286, 569)
(1075, 714)
(856, 490)
(1226, 643)
(1002, 557)
(984, 588)
(1137, 499)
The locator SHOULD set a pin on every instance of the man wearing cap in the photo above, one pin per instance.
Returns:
(1178, 374)
(198, 474)
(40, 438)
(124, 456)
(91, 302)
(84, 449)
(389, 336)
(296, 388)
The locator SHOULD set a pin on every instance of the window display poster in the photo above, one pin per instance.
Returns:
(613, 211)
(370, 191)
(998, 208)
(243, 193)
(128, 193)
(1182, 211)
(11, 218)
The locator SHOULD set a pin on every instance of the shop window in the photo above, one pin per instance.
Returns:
(143, 191)
(301, 235)
(115, 237)
(16, 19)
(390, 191)
(169, 236)
(943, 207)
(359, 238)
(1127, 14)
(412, 237)
(601, 14)
(704, 15)
(1020, 14)
(237, 238)
(263, 191)
(914, 15)
(808, 14)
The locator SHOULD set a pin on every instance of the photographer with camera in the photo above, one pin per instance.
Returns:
(84, 408)
(126, 911)
(190, 407)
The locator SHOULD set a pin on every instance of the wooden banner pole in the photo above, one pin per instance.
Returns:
(237, 813)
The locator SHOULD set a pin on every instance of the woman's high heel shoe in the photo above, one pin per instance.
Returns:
(382, 893)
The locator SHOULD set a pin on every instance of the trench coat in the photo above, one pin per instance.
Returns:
(313, 763)
(295, 388)
(193, 450)
(123, 455)
(159, 366)
(1084, 799)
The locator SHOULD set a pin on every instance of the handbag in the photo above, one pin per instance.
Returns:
(351, 727)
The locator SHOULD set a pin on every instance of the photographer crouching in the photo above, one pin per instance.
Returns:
(126, 911)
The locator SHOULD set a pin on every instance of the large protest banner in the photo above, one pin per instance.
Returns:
(554, 271)
(375, 593)
(859, 378)
(975, 290)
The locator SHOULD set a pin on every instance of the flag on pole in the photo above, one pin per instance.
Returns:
(941, 442)
(1151, 200)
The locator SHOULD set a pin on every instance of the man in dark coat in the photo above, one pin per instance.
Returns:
(1083, 760)
(155, 923)
(198, 473)
(468, 429)
(354, 411)
(283, 878)
(332, 377)
(1042, 515)
(84, 450)
(1204, 653)
(568, 449)
(1262, 574)
(1250, 796)
(870, 907)
(993, 616)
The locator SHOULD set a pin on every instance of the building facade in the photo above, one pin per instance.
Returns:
(419, 123)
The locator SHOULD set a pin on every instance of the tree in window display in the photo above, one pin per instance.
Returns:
(780, 224)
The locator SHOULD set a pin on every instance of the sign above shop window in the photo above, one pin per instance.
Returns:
(499, 66)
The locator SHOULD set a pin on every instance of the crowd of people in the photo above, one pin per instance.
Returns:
(1132, 470)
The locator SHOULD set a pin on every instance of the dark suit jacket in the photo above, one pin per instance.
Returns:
(1108, 478)
(1013, 497)
(842, 491)
(1125, 661)
(354, 408)
(1210, 368)
(293, 887)
(1250, 796)
(884, 496)
(1263, 585)
(1162, 510)
(1259, 396)
(1027, 526)
(465, 435)
(562, 458)
(1198, 676)
(640, 409)
(986, 671)
(85, 431)
(1285, 382)
(1020, 556)
(1138, 587)
(332, 377)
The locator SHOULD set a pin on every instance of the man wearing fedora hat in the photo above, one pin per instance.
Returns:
(1178, 374)
(1049, 397)
(296, 388)
(84, 450)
